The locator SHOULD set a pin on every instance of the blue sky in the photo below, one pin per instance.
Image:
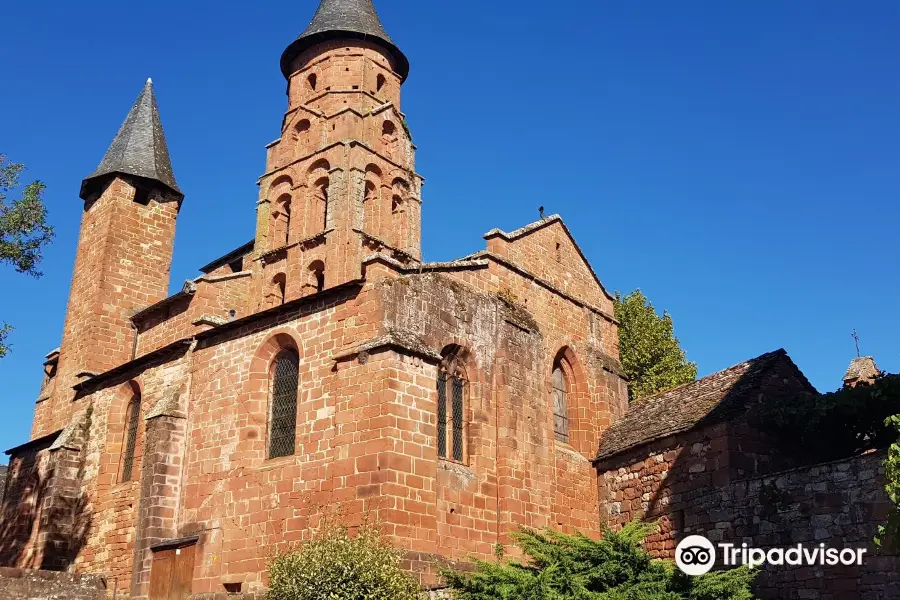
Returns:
(736, 161)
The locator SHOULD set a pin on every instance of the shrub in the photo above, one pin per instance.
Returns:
(575, 567)
(336, 565)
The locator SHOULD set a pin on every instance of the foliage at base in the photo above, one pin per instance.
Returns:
(336, 565)
(575, 567)
(889, 533)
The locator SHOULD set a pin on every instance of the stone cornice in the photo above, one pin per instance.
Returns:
(543, 283)
(323, 149)
(223, 277)
(400, 340)
(318, 238)
(380, 242)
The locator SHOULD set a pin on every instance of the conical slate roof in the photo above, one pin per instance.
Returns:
(138, 149)
(342, 19)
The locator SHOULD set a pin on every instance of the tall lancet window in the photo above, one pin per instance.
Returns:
(451, 389)
(560, 403)
(283, 404)
(132, 426)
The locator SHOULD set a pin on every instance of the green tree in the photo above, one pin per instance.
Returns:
(575, 567)
(650, 353)
(24, 231)
(335, 565)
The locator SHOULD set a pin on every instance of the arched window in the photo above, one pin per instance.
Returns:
(281, 225)
(451, 389)
(320, 193)
(277, 289)
(283, 404)
(379, 82)
(317, 275)
(560, 402)
(301, 132)
(132, 426)
(311, 80)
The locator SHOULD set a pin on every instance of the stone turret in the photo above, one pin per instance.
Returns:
(131, 202)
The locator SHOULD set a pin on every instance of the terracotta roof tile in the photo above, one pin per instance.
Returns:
(711, 398)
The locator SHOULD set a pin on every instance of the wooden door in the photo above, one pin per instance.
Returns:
(171, 573)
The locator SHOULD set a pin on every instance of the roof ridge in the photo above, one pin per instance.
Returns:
(713, 374)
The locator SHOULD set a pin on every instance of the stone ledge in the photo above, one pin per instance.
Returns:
(211, 320)
(399, 339)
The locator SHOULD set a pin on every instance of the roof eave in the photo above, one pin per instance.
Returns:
(304, 42)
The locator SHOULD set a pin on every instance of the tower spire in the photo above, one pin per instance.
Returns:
(139, 148)
(342, 19)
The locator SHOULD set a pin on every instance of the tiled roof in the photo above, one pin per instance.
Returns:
(863, 367)
(139, 148)
(231, 256)
(710, 399)
(336, 19)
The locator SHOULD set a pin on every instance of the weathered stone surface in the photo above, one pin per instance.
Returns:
(23, 584)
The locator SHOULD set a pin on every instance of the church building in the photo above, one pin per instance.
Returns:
(180, 440)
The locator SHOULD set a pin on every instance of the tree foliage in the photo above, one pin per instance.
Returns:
(847, 422)
(889, 533)
(575, 567)
(650, 353)
(24, 231)
(335, 565)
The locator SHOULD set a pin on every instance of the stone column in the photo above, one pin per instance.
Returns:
(160, 489)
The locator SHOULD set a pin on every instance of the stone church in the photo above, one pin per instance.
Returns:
(179, 440)
(323, 367)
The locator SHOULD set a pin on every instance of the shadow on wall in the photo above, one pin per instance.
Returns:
(67, 524)
(26, 490)
(39, 529)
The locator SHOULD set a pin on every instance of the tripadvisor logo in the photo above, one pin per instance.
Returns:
(696, 555)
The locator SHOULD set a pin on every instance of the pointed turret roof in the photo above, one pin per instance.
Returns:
(138, 149)
(342, 19)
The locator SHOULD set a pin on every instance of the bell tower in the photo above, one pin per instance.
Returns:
(340, 183)
(125, 243)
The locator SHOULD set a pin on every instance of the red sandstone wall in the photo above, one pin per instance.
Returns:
(122, 265)
(548, 252)
(27, 484)
(214, 296)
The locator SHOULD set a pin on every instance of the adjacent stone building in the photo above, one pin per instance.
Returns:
(179, 440)
(695, 460)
